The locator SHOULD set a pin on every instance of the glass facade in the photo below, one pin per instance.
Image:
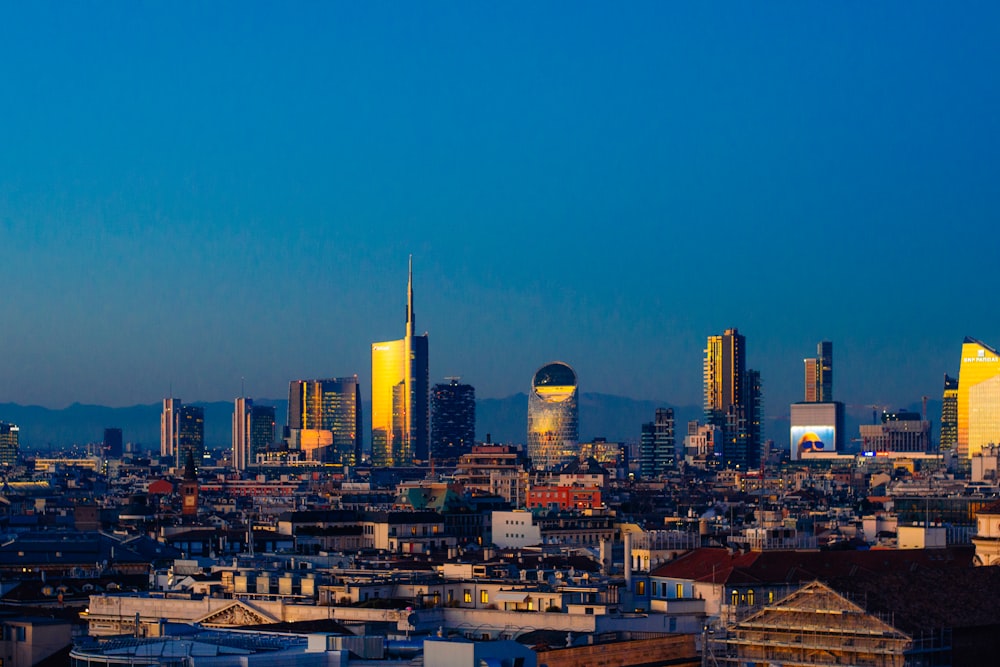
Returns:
(401, 407)
(453, 426)
(949, 414)
(9, 443)
(332, 405)
(190, 434)
(552, 417)
(978, 398)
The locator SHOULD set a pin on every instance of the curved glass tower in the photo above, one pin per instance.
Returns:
(552, 416)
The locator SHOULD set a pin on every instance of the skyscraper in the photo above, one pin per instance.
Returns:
(168, 427)
(819, 374)
(10, 445)
(949, 414)
(733, 399)
(331, 405)
(978, 398)
(657, 445)
(112, 443)
(400, 395)
(453, 419)
(552, 416)
(190, 429)
(253, 432)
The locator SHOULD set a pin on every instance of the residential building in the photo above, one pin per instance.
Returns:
(552, 416)
(400, 395)
(453, 419)
(657, 450)
(949, 414)
(733, 399)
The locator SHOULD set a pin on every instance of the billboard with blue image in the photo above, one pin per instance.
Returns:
(808, 440)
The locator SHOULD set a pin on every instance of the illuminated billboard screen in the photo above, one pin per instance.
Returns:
(807, 440)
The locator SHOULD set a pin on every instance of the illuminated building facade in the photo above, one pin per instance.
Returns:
(819, 374)
(949, 414)
(401, 395)
(253, 432)
(168, 427)
(733, 399)
(453, 419)
(9, 443)
(978, 398)
(553, 419)
(190, 429)
(329, 413)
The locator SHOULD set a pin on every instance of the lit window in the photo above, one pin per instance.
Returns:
(484, 597)
(467, 595)
(679, 590)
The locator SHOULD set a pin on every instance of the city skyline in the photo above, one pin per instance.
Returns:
(576, 182)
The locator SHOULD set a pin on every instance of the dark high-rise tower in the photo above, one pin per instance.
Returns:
(819, 374)
(190, 429)
(453, 419)
(401, 395)
(949, 414)
(656, 445)
(112, 444)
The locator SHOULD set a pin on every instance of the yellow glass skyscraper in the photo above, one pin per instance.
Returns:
(978, 398)
(401, 395)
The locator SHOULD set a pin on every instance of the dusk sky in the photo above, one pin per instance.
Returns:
(195, 193)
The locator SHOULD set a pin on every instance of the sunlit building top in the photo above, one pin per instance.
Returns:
(552, 416)
(978, 398)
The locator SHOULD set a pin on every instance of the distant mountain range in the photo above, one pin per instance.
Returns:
(616, 418)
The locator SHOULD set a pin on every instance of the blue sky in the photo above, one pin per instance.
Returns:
(195, 193)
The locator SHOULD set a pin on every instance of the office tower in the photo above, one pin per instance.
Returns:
(324, 418)
(453, 419)
(978, 398)
(657, 453)
(253, 432)
(949, 414)
(168, 427)
(733, 399)
(552, 416)
(400, 395)
(112, 444)
(9, 443)
(819, 374)
(189, 487)
(190, 429)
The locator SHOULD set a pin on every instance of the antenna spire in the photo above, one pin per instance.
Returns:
(410, 318)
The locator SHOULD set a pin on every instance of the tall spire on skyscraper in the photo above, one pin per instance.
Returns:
(410, 320)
